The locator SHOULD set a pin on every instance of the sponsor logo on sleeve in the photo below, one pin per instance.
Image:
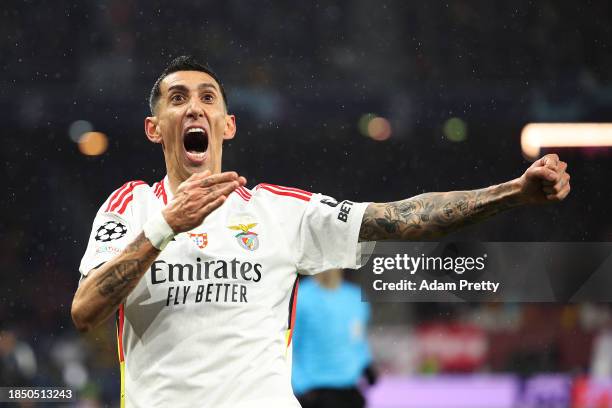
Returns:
(345, 209)
(329, 201)
(105, 248)
(110, 231)
(246, 239)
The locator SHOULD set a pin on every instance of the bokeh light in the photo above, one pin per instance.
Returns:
(455, 130)
(93, 143)
(534, 136)
(379, 129)
(374, 127)
(363, 123)
(78, 128)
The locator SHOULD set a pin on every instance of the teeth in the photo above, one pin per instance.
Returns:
(196, 155)
(192, 130)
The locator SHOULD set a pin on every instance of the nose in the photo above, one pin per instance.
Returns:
(194, 109)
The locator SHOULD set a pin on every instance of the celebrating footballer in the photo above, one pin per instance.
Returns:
(201, 272)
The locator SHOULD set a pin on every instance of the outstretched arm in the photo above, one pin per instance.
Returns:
(433, 215)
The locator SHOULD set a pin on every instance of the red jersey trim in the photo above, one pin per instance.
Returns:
(122, 197)
(286, 191)
(163, 192)
(160, 191)
(120, 323)
(246, 192)
(295, 190)
(243, 193)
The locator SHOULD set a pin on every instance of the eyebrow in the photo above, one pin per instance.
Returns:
(201, 87)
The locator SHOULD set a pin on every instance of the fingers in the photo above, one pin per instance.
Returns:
(559, 169)
(219, 178)
(545, 174)
(558, 191)
(550, 160)
(217, 190)
(204, 187)
(560, 195)
(545, 180)
(210, 207)
(557, 187)
(198, 196)
(205, 179)
(215, 198)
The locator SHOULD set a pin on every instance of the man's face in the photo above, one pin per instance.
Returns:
(191, 123)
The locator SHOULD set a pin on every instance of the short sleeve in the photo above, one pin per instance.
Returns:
(329, 235)
(112, 230)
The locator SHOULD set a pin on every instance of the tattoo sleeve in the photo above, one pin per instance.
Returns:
(433, 215)
(100, 294)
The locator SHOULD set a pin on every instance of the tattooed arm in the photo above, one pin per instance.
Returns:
(105, 288)
(433, 215)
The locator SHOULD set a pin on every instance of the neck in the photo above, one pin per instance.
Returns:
(174, 180)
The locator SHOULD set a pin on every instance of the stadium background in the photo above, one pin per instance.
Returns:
(456, 82)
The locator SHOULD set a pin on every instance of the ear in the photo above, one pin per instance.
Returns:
(152, 129)
(230, 127)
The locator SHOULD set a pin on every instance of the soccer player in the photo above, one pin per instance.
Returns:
(201, 271)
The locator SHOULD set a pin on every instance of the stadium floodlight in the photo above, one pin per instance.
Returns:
(534, 136)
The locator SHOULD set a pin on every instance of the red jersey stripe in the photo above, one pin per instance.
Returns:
(115, 194)
(125, 203)
(163, 192)
(286, 193)
(241, 194)
(271, 187)
(125, 193)
(121, 196)
(245, 191)
(295, 190)
(120, 321)
(156, 189)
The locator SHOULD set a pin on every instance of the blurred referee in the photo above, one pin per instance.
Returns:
(330, 345)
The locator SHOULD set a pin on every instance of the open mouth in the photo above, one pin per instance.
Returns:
(195, 141)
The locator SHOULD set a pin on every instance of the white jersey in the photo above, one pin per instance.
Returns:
(209, 324)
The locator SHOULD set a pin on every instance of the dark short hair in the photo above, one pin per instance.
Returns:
(182, 63)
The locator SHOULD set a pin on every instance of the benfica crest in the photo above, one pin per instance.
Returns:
(247, 239)
(201, 240)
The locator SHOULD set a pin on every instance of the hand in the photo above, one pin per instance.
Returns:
(545, 181)
(197, 197)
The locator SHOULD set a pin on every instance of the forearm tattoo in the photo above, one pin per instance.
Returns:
(117, 281)
(433, 215)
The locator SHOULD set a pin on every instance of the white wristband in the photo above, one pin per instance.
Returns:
(157, 230)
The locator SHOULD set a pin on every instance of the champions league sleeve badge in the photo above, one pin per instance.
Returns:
(246, 239)
(110, 231)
